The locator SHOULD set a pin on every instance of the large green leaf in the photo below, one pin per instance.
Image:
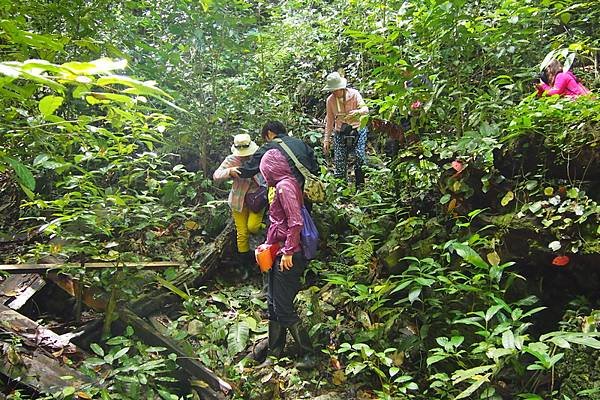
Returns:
(101, 65)
(49, 104)
(238, 337)
(464, 374)
(470, 255)
(24, 175)
(479, 380)
(32, 39)
(135, 86)
(9, 70)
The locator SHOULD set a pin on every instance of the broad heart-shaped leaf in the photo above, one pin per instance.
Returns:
(24, 175)
(238, 337)
(49, 104)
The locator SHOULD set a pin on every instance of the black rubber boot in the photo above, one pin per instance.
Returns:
(248, 259)
(246, 264)
(277, 335)
(359, 178)
(265, 285)
(302, 339)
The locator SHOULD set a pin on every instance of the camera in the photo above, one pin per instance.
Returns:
(346, 129)
(544, 77)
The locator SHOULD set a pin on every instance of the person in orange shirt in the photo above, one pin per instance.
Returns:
(345, 106)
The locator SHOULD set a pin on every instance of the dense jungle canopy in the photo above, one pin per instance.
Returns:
(467, 267)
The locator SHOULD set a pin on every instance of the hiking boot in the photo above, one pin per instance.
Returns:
(359, 178)
(245, 264)
(277, 335)
(247, 260)
(265, 285)
(302, 339)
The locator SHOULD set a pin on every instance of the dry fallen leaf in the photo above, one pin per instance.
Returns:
(339, 378)
(266, 378)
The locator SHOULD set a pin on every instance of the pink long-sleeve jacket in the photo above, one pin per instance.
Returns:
(285, 212)
(565, 84)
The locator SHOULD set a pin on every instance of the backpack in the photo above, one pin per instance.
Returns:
(309, 236)
(314, 190)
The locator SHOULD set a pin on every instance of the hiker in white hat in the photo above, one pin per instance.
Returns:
(345, 106)
(247, 198)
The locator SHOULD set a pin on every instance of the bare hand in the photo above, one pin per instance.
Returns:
(326, 146)
(286, 262)
(234, 172)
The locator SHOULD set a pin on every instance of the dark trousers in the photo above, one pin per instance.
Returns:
(283, 288)
(341, 150)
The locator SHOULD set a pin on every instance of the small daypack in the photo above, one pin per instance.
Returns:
(309, 236)
(314, 190)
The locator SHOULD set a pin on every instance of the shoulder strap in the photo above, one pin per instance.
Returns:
(340, 109)
(303, 170)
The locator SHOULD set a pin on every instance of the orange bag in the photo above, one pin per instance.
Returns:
(265, 255)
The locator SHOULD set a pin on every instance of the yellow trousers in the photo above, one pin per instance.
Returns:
(246, 223)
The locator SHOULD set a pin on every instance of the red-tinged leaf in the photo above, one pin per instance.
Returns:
(458, 166)
(560, 261)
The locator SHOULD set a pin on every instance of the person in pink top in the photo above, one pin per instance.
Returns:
(285, 225)
(247, 222)
(345, 106)
(561, 83)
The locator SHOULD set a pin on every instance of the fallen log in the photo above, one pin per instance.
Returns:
(207, 262)
(194, 367)
(29, 268)
(205, 382)
(37, 335)
(37, 371)
(214, 389)
(16, 290)
(95, 298)
(37, 363)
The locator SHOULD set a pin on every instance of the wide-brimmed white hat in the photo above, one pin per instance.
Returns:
(243, 145)
(335, 82)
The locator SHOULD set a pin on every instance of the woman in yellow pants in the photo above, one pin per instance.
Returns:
(247, 222)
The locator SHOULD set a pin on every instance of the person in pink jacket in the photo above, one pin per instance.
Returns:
(285, 225)
(561, 83)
